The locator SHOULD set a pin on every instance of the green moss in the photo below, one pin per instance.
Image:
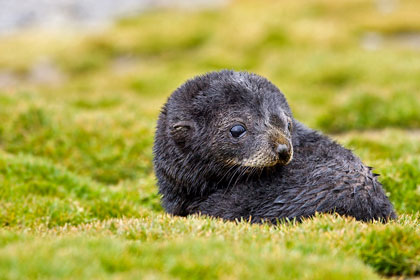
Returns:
(95, 150)
(204, 255)
(34, 191)
(392, 251)
(370, 111)
(402, 180)
(102, 103)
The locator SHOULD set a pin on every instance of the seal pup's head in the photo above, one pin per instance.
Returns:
(221, 120)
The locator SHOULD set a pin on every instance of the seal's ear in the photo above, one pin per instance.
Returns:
(181, 131)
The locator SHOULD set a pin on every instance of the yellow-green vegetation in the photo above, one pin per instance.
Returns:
(78, 197)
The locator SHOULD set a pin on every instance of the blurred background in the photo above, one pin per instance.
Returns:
(82, 81)
(350, 57)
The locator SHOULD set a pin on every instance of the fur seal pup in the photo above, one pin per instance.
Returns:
(227, 145)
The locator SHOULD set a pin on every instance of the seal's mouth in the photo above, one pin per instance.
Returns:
(282, 155)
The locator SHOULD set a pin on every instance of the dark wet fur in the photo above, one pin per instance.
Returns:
(190, 149)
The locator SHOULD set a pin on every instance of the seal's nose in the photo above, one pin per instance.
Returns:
(285, 153)
(282, 150)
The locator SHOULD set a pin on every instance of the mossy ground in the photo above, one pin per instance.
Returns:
(77, 191)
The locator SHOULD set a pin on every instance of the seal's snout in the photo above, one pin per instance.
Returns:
(285, 153)
(282, 150)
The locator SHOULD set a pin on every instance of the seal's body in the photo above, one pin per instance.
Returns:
(227, 145)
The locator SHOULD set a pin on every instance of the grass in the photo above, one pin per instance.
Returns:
(77, 190)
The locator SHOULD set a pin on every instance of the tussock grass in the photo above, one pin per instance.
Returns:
(202, 247)
(77, 191)
(36, 192)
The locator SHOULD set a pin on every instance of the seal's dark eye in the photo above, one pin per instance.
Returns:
(237, 130)
(289, 126)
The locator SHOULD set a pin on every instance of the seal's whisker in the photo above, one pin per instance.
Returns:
(233, 176)
(251, 173)
(242, 173)
(225, 174)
